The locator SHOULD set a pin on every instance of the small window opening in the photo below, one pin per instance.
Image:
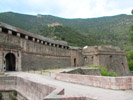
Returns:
(85, 58)
(22, 35)
(52, 44)
(14, 33)
(29, 38)
(4, 30)
(35, 40)
(60, 46)
(39, 41)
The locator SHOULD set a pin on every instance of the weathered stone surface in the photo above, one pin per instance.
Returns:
(38, 62)
(38, 52)
(29, 89)
(107, 56)
(118, 83)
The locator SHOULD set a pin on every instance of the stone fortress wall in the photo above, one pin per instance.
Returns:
(35, 52)
(107, 56)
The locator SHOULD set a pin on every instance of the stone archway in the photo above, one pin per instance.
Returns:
(10, 62)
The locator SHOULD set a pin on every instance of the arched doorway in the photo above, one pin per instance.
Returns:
(75, 64)
(10, 62)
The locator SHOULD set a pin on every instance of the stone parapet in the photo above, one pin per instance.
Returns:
(29, 89)
(132, 82)
(117, 83)
(32, 90)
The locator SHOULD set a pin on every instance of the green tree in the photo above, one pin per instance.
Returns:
(130, 59)
(131, 34)
(131, 31)
(1, 97)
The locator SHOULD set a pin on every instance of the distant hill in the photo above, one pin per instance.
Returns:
(100, 31)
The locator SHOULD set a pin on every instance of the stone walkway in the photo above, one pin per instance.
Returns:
(76, 89)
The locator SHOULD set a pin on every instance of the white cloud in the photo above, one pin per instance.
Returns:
(75, 8)
(92, 8)
(69, 8)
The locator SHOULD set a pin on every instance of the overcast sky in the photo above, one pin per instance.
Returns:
(69, 8)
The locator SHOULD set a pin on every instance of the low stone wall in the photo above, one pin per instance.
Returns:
(11, 95)
(7, 83)
(33, 90)
(132, 82)
(118, 83)
(29, 89)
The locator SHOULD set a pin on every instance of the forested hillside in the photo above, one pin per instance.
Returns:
(78, 32)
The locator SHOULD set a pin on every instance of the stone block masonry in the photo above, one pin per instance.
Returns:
(107, 56)
(11, 95)
(35, 51)
(38, 62)
(33, 90)
(29, 89)
(132, 82)
(117, 83)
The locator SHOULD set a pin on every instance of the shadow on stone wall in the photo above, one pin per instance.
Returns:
(85, 71)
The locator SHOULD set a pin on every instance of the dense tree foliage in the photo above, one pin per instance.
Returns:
(131, 34)
(92, 31)
(73, 37)
(130, 59)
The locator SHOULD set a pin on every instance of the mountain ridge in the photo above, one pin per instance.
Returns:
(103, 29)
(66, 18)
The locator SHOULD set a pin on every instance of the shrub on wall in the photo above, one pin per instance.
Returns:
(1, 97)
(130, 59)
(13, 98)
(104, 71)
(112, 73)
(15, 93)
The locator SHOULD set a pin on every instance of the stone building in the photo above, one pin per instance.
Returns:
(55, 24)
(108, 56)
(21, 50)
